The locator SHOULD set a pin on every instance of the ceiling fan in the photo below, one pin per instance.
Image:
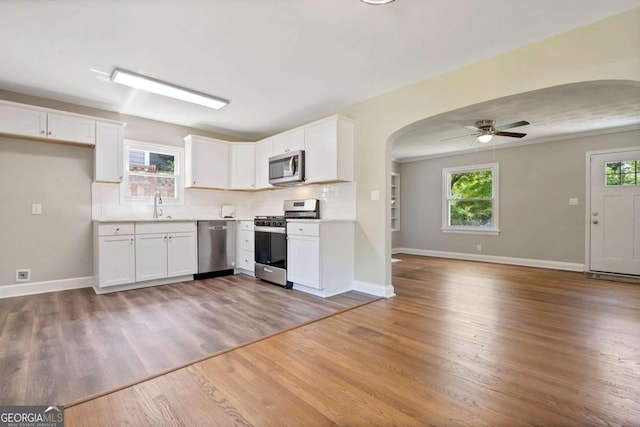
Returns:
(486, 129)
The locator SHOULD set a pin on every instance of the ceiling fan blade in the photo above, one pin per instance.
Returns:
(510, 134)
(513, 125)
(458, 137)
(473, 128)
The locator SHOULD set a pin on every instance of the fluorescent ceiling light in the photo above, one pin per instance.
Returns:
(485, 136)
(161, 88)
(376, 2)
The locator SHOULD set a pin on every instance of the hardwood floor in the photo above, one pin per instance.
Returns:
(462, 343)
(62, 346)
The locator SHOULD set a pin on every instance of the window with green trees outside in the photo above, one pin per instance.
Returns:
(470, 198)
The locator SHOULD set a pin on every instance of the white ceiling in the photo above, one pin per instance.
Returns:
(553, 113)
(280, 62)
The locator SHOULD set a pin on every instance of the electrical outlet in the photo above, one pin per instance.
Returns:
(375, 195)
(478, 247)
(36, 209)
(23, 275)
(573, 201)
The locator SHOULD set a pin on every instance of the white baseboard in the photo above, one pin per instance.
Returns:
(374, 289)
(540, 263)
(22, 289)
(396, 251)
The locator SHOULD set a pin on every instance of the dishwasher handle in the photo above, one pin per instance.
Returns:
(218, 227)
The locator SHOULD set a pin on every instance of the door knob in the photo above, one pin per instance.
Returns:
(595, 214)
(595, 221)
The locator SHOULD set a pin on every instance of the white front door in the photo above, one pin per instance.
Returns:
(615, 212)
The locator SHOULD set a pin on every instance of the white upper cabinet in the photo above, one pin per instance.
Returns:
(35, 122)
(263, 152)
(23, 120)
(71, 128)
(108, 152)
(206, 162)
(288, 141)
(243, 164)
(329, 150)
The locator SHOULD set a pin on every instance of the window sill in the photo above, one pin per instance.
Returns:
(492, 232)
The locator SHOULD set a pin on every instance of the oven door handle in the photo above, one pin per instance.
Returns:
(277, 230)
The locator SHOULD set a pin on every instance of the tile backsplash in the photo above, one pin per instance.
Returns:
(337, 201)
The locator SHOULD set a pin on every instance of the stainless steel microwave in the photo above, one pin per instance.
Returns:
(287, 169)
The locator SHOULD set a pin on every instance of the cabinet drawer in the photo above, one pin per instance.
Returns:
(246, 260)
(246, 240)
(165, 227)
(303, 229)
(246, 225)
(115, 229)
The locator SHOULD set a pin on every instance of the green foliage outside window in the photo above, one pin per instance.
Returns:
(471, 199)
(622, 173)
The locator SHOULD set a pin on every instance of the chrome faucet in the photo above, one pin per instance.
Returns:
(157, 200)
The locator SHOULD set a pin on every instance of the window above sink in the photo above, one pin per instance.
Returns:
(150, 168)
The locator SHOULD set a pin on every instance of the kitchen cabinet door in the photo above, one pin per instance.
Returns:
(23, 121)
(243, 164)
(206, 163)
(108, 166)
(303, 260)
(181, 254)
(63, 127)
(151, 256)
(329, 150)
(264, 150)
(117, 260)
(288, 141)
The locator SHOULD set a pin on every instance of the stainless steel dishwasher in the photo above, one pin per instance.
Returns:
(216, 248)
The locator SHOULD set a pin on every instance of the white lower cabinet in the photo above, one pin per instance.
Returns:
(116, 264)
(303, 260)
(181, 257)
(128, 253)
(165, 250)
(245, 255)
(151, 256)
(320, 256)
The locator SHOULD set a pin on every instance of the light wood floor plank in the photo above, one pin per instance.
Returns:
(462, 343)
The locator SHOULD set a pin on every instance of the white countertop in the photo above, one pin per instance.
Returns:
(319, 220)
(168, 219)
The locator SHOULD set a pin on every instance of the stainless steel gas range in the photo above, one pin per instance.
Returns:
(271, 240)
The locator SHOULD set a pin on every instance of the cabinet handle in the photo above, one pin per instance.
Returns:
(300, 229)
(169, 237)
(42, 132)
(131, 241)
(117, 229)
(165, 237)
(194, 183)
(49, 133)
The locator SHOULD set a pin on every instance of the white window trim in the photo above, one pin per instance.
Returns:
(178, 170)
(446, 173)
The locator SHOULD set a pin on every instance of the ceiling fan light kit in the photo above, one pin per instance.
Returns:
(485, 136)
(485, 130)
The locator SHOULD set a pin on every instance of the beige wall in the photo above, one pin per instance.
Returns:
(606, 50)
(536, 182)
(57, 244)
